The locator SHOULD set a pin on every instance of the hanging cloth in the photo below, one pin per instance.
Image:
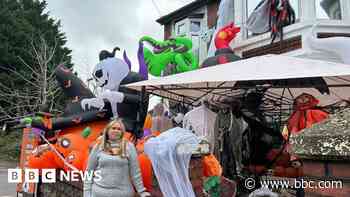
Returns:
(305, 113)
(201, 120)
(170, 162)
(271, 15)
(259, 20)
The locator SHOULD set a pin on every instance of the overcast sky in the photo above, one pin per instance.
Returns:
(94, 25)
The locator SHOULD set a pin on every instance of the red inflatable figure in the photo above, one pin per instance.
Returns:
(223, 53)
(226, 35)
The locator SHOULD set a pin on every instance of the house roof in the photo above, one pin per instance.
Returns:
(183, 11)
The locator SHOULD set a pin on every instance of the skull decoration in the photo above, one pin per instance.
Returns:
(101, 77)
(122, 102)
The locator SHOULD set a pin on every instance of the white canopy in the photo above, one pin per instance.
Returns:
(220, 80)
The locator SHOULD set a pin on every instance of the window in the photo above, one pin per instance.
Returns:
(181, 29)
(195, 45)
(195, 30)
(253, 4)
(328, 9)
(192, 29)
(195, 26)
(296, 7)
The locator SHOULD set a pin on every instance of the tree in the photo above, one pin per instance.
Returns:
(32, 46)
(39, 86)
(22, 22)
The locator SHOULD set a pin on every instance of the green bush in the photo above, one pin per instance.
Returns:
(10, 145)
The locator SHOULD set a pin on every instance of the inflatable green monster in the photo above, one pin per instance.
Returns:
(170, 56)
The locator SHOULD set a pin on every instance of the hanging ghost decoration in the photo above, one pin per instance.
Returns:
(130, 105)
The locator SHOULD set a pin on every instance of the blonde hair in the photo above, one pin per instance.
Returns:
(104, 145)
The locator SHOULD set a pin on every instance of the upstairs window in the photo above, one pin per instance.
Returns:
(195, 26)
(181, 29)
(191, 28)
(328, 9)
(251, 5)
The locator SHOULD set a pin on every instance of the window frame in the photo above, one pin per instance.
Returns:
(319, 6)
(246, 34)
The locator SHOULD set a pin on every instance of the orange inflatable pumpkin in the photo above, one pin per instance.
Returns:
(73, 144)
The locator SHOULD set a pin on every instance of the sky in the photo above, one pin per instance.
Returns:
(94, 25)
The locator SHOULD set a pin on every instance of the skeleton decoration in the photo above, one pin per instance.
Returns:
(122, 102)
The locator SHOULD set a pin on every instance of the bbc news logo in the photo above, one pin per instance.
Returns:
(15, 175)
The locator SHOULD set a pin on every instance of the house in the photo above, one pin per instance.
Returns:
(327, 18)
(197, 21)
(193, 21)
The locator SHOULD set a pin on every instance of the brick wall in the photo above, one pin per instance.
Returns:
(167, 31)
(286, 45)
(327, 171)
(212, 9)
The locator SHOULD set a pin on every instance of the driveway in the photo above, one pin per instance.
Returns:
(6, 189)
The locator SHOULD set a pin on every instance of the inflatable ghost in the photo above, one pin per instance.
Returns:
(110, 73)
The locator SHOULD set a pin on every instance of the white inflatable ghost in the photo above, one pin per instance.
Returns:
(108, 75)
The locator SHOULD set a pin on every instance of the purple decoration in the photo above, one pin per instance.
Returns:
(142, 64)
(127, 60)
(146, 132)
(37, 131)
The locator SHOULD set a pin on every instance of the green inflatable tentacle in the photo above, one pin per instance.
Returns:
(148, 39)
(193, 60)
(166, 54)
(185, 62)
(184, 41)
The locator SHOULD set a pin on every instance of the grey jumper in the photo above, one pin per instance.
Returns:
(118, 174)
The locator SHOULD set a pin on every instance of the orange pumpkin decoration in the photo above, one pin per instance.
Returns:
(211, 166)
(72, 145)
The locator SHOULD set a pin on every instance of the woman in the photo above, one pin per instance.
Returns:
(116, 159)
